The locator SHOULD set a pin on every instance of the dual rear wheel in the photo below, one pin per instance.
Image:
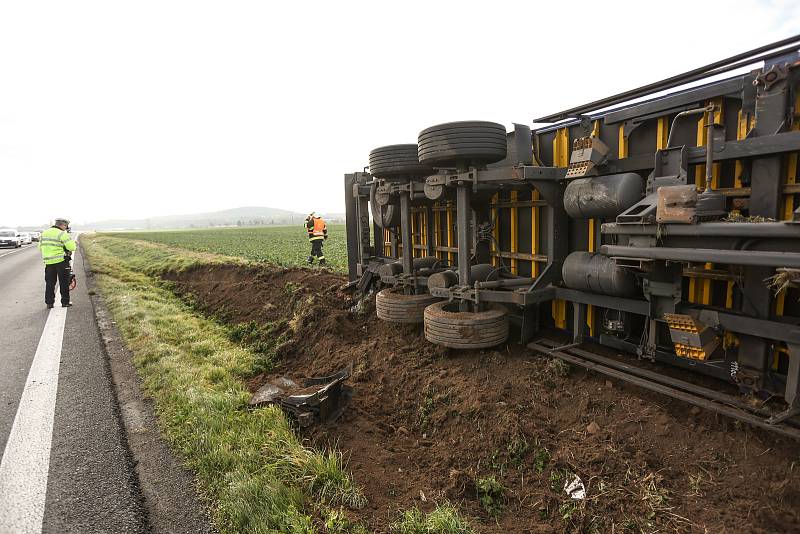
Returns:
(449, 145)
(447, 326)
(445, 145)
(393, 306)
(444, 324)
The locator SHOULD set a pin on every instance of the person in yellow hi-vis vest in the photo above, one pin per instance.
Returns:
(57, 247)
(317, 234)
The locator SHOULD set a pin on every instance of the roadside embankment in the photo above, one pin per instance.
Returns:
(431, 436)
(252, 469)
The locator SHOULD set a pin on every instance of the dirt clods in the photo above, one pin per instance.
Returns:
(502, 432)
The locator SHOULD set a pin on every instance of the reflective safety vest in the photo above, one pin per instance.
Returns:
(53, 243)
(317, 229)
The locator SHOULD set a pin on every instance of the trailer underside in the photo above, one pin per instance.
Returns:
(665, 228)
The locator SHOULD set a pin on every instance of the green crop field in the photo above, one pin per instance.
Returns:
(280, 245)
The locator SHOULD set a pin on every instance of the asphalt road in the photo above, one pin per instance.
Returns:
(64, 463)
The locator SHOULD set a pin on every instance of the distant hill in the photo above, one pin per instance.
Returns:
(246, 216)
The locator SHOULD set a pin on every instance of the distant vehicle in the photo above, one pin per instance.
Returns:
(35, 236)
(26, 238)
(10, 238)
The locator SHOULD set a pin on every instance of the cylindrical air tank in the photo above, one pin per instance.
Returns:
(602, 197)
(588, 271)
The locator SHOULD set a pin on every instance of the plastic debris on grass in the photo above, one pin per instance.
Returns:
(575, 488)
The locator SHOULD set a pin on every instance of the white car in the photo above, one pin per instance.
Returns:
(26, 237)
(10, 238)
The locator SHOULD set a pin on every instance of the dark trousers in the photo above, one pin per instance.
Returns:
(316, 250)
(56, 271)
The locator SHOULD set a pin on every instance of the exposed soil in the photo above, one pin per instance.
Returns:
(426, 423)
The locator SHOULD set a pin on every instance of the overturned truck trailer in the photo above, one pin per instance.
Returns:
(662, 223)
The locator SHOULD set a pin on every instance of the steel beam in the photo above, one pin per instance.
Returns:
(578, 322)
(679, 101)
(765, 200)
(639, 307)
(405, 232)
(463, 218)
(748, 325)
(793, 376)
(378, 240)
(752, 147)
(352, 226)
(700, 255)
(775, 230)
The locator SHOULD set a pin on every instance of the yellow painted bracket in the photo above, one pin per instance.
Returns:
(560, 159)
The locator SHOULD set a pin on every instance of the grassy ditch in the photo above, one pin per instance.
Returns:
(252, 469)
(250, 465)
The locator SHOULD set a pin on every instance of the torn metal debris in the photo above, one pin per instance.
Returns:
(317, 400)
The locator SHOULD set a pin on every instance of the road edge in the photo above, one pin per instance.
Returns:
(168, 490)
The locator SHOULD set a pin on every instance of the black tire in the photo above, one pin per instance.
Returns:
(446, 326)
(393, 306)
(465, 142)
(397, 161)
(387, 216)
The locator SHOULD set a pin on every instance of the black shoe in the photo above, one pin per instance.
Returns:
(49, 306)
(322, 263)
(67, 305)
(310, 261)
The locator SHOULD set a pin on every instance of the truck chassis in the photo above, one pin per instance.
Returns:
(660, 225)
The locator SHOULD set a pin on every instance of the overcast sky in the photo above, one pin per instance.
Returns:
(133, 109)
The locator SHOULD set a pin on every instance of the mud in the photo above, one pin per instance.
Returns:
(427, 423)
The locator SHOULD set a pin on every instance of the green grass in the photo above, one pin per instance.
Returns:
(444, 519)
(491, 494)
(279, 245)
(262, 339)
(337, 522)
(250, 466)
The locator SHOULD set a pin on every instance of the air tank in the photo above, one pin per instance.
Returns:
(588, 271)
(602, 197)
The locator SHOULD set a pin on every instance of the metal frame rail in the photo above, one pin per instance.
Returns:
(693, 394)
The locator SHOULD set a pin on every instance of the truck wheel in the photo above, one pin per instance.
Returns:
(466, 142)
(397, 161)
(395, 307)
(387, 216)
(446, 326)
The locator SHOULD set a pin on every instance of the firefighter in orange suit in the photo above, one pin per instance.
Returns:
(317, 234)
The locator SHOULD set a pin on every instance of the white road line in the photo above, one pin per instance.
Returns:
(26, 461)
(16, 250)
